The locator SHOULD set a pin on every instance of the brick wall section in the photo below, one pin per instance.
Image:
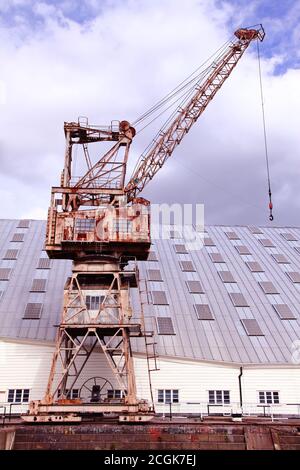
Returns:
(156, 437)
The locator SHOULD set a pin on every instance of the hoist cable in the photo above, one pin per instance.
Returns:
(170, 97)
(182, 94)
(183, 97)
(183, 84)
(265, 133)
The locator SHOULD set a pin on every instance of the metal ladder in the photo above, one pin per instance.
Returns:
(151, 353)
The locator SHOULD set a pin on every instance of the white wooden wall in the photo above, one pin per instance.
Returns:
(283, 379)
(27, 365)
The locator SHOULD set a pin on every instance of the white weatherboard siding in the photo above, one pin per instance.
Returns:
(27, 365)
(193, 380)
(282, 379)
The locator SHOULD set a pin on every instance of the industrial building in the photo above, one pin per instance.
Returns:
(225, 319)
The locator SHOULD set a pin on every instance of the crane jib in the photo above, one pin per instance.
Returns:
(163, 148)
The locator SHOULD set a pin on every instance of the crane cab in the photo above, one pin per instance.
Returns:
(107, 230)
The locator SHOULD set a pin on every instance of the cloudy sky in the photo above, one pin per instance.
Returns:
(113, 59)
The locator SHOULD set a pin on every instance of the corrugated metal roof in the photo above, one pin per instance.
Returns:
(16, 291)
(223, 339)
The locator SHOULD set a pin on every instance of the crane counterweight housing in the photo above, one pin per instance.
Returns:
(103, 225)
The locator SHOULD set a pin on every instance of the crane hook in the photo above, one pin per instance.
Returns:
(270, 207)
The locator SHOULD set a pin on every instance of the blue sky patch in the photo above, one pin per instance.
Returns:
(281, 21)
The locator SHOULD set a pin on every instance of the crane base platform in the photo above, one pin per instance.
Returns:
(58, 413)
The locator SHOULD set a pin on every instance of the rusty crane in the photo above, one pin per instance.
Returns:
(102, 225)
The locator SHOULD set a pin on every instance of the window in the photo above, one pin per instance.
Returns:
(44, 263)
(180, 249)
(84, 225)
(219, 397)
(187, 266)
(289, 237)
(268, 287)
(33, 311)
(58, 202)
(165, 326)
(38, 285)
(238, 300)
(18, 237)
(232, 235)
(11, 254)
(226, 276)
(4, 274)
(168, 396)
(159, 297)
(18, 395)
(251, 326)
(284, 312)
(208, 242)
(268, 398)
(152, 256)
(242, 250)
(216, 258)
(122, 225)
(279, 258)
(195, 287)
(266, 242)
(154, 275)
(254, 267)
(24, 224)
(93, 302)
(72, 394)
(294, 277)
(255, 230)
(116, 394)
(203, 312)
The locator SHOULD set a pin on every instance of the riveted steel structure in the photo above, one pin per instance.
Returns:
(104, 227)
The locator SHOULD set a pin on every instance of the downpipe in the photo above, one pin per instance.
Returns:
(240, 388)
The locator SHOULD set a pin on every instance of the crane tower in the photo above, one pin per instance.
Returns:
(103, 226)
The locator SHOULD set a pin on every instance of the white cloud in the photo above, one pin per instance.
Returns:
(2, 93)
(118, 65)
